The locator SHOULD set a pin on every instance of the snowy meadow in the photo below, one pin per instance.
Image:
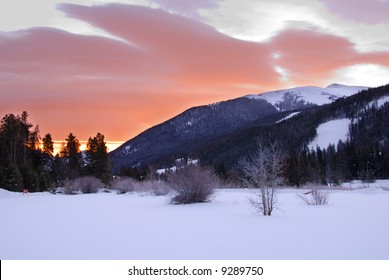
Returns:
(354, 225)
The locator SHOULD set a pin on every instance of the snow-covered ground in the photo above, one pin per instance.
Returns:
(354, 225)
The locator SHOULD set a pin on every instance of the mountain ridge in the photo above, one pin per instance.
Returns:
(200, 125)
(307, 95)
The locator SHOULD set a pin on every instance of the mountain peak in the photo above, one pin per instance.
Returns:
(335, 85)
(309, 95)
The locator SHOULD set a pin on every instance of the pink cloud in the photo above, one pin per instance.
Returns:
(84, 83)
(311, 57)
(183, 45)
(368, 11)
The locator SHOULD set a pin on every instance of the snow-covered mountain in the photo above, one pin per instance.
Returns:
(200, 126)
(293, 98)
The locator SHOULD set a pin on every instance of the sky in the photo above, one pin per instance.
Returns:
(121, 67)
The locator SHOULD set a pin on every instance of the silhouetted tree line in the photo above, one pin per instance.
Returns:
(27, 160)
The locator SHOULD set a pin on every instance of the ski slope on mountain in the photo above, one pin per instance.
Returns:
(333, 131)
(330, 133)
(140, 226)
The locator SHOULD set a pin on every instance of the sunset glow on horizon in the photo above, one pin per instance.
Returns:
(120, 68)
(111, 145)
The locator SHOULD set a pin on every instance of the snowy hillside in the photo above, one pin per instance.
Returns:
(287, 99)
(330, 133)
(140, 226)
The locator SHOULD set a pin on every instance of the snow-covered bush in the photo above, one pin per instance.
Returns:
(69, 188)
(315, 197)
(192, 184)
(124, 185)
(155, 187)
(88, 184)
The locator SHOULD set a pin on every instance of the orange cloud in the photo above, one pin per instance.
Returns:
(86, 84)
(190, 51)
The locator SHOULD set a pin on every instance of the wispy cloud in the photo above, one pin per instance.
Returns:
(364, 23)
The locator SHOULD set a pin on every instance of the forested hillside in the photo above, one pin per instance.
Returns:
(365, 155)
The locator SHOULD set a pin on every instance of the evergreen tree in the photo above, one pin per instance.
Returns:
(11, 178)
(97, 161)
(131, 172)
(71, 152)
(59, 170)
(293, 170)
(221, 171)
(48, 145)
(11, 139)
(30, 178)
(21, 160)
(332, 166)
(321, 166)
(34, 139)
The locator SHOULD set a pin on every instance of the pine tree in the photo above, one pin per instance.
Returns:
(294, 175)
(11, 178)
(30, 178)
(10, 134)
(71, 152)
(97, 160)
(21, 159)
(48, 145)
(321, 166)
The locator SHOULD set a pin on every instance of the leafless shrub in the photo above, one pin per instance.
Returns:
(69, 187)
(155, 187)
(88, 184)
(314, 196)
(123, 185)
(263, 170)
(192, 184)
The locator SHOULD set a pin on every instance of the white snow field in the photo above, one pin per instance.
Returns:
(107, 226)
(330, 132)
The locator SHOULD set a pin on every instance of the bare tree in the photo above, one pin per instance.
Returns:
(263, 170)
